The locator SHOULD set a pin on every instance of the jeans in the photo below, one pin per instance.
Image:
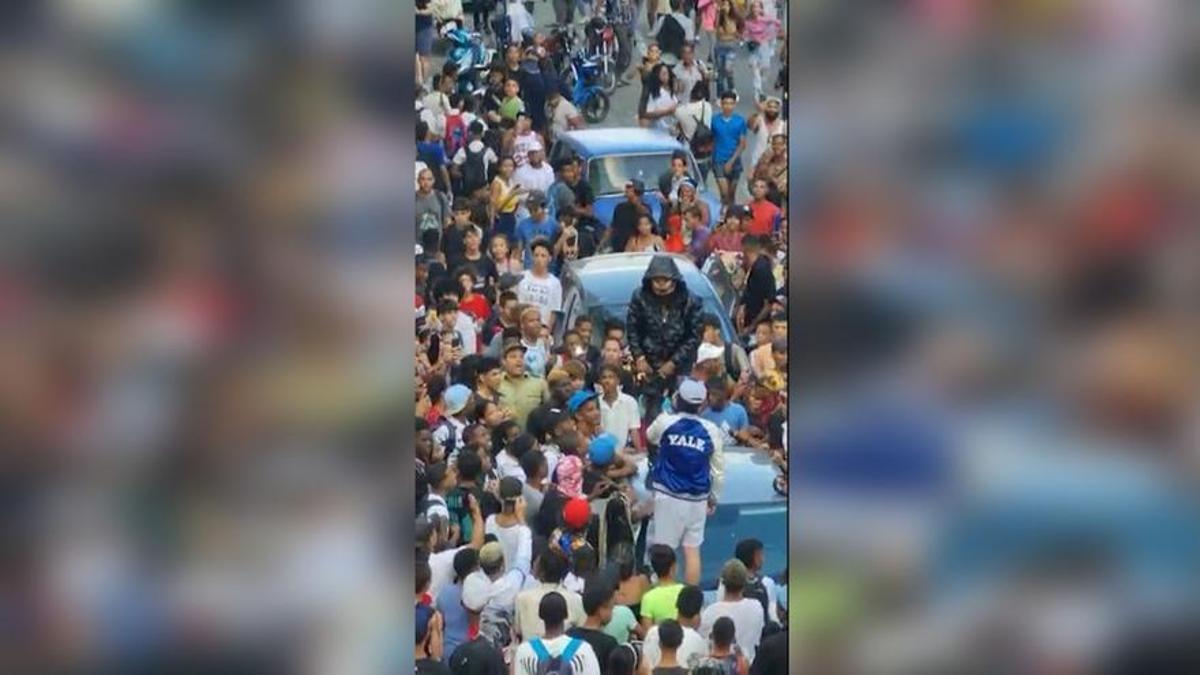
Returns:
(724, 54)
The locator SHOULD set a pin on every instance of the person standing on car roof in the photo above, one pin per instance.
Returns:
(663, 329)
(686, 475)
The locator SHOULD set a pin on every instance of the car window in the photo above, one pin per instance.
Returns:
(608, 175)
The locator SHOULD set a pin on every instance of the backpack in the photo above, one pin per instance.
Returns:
(703, 141)
(757, 590)
(671, 36)
(474, 171)
(555, 665)
(711, 665)
(456, 134)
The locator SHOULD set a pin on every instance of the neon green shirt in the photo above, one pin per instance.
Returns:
(510, 107)
(658, 604)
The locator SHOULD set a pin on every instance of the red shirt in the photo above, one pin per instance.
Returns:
(477, 306)
(766, 215)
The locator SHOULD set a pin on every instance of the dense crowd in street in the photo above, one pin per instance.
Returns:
(566, 472)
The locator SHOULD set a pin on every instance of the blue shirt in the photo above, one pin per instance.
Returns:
(732, 418)
(686, 445)
(726, 134)
(449, 603)
(528, 230)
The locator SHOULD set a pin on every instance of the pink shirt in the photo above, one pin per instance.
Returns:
(762, 29)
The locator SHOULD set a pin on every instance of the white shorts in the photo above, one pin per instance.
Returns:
(678, 522)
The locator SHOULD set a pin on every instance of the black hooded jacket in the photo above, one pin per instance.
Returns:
(665, 328)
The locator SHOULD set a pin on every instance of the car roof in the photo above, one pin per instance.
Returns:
(621, 140)
(598, 276)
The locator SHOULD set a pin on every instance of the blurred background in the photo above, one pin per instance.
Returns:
(994, 292)
(203, 284)
(202, 306)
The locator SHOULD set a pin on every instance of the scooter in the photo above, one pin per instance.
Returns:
(469, 54)
(586, 92)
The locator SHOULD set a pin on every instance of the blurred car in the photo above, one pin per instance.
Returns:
(601, 286)
(613, 156)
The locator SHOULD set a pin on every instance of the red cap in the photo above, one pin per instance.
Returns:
(577, 513)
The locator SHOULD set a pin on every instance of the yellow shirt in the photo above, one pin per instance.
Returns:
(658, 604)
(523, 394)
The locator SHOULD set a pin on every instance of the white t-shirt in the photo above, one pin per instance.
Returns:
(519, 19)
(622, 418)
(561, 116)
(506, 588)
(772, 593)
(437, 507)
(583, 663)
(664, 101)
(530, 178)
(762, 138)
(694, 646)
(522, 145)
(689, 113)
(517, 542)
(544, 293)
(441, 566)
(489, 157)
(507, 465)
(747, 619)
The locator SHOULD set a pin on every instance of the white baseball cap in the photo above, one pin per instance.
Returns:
(693, 391)
(477, 590)
(707, 352)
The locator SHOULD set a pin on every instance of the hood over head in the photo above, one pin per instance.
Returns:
(663, 266)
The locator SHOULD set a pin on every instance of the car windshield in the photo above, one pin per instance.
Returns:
(608, 175)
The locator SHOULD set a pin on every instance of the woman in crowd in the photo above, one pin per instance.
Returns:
(505, 198)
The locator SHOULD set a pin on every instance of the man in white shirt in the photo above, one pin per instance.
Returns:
(538, 287)
(562, 114)
(746, 614)
(525, 140)
(535, 175)
(431, 534)
(519, 21)
(552, 569)
(694, 646)
(750, 552)
(552, 609)
(619, 412)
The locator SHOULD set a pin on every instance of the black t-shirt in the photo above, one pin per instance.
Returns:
(548, 515)
(477, 657)
(485, 269)
(452, 244)
(624, 224)
(602, 643)
(772, 656)
(775, 429)
(760, 288)
(431, 667)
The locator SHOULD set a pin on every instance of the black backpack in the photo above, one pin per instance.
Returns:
(474, 170)
(671, 36)
(703, 141)
(757, 590)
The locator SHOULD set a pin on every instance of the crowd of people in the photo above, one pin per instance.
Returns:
(565, 473)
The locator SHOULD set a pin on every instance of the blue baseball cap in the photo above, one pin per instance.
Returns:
(578, 399)
(602, 449)
(456, 398)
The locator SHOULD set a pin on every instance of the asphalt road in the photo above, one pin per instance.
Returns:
(624, 100)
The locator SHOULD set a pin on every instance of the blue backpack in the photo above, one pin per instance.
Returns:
(555, 665)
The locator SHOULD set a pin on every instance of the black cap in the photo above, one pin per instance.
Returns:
(638, 186)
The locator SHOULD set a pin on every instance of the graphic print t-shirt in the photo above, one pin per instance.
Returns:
(544, 293)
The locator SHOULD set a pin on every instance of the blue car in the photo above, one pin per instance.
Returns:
(600, 287)
(613, 156)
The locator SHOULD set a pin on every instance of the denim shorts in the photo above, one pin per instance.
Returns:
(718, 169)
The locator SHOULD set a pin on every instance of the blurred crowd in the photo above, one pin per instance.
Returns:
(993, 209)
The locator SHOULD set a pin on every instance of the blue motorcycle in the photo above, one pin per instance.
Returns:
(469, 54)
(586, 91)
